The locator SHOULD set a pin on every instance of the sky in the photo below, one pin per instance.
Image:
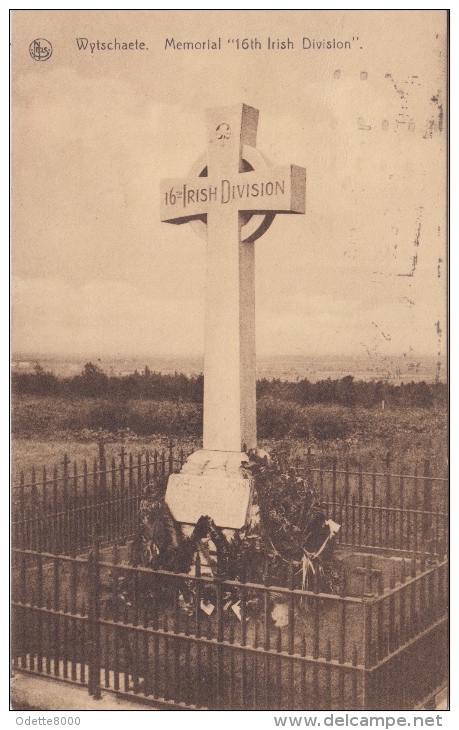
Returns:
(363, 272)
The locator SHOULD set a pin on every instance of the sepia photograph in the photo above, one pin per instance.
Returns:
(229, 362)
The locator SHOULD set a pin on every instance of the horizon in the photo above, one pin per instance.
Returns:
(396, 369)
(94, 355)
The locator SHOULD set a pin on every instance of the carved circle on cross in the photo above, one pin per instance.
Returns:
(253, 224)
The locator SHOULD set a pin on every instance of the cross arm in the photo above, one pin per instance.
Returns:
(184, 200)
(273, 189)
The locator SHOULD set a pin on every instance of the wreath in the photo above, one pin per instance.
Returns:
(293, 526)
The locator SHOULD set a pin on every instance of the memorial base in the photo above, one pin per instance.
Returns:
(214, 483)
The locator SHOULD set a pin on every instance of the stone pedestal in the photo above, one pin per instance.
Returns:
(213, 483)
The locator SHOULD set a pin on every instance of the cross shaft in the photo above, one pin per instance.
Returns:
(226, 193)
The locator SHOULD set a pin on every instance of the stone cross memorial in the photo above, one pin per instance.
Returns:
(230, 198)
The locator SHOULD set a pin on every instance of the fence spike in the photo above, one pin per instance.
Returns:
(291, 577)
(101, 445)
(431, 552)
(441, 551)
(187, 629)
(135, 553)
(265, 571)
(354, 656)
(423, 562)
(55, 542)
(343, 591)
(417, 622)
(303, 645)
(279, 640)
(44, 536)
(316, 583)
(346, 482)
(171, 457)
(403, 571)
(106, 616)
(427, 498)
(353, 526)
(197, 564)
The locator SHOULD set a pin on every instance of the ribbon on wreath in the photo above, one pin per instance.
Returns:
(306, 562)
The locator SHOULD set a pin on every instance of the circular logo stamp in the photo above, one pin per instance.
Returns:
(40, 49)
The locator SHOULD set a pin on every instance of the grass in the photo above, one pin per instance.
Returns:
(45, 428)
(28, 453)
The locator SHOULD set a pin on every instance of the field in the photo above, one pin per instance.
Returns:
(45, 428)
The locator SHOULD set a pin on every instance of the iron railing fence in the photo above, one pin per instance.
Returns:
(63, 510)
(193, 642)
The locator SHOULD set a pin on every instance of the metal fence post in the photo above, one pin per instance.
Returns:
(93, 621)
(427, 501)
(368, 655)
(171, 457)
(102, 467)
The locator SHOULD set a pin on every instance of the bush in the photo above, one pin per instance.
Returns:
(164, 417)
(328, 424)
(148, 423)
(187, 420)
(277, 419)
(109, 415)
(274, 418)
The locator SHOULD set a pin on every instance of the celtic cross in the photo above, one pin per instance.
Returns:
(231, 198)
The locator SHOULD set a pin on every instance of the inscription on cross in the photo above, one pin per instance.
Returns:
(231, 198)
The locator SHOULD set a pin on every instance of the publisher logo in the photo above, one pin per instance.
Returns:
(40, 49)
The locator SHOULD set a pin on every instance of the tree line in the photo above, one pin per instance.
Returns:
(151, 385)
